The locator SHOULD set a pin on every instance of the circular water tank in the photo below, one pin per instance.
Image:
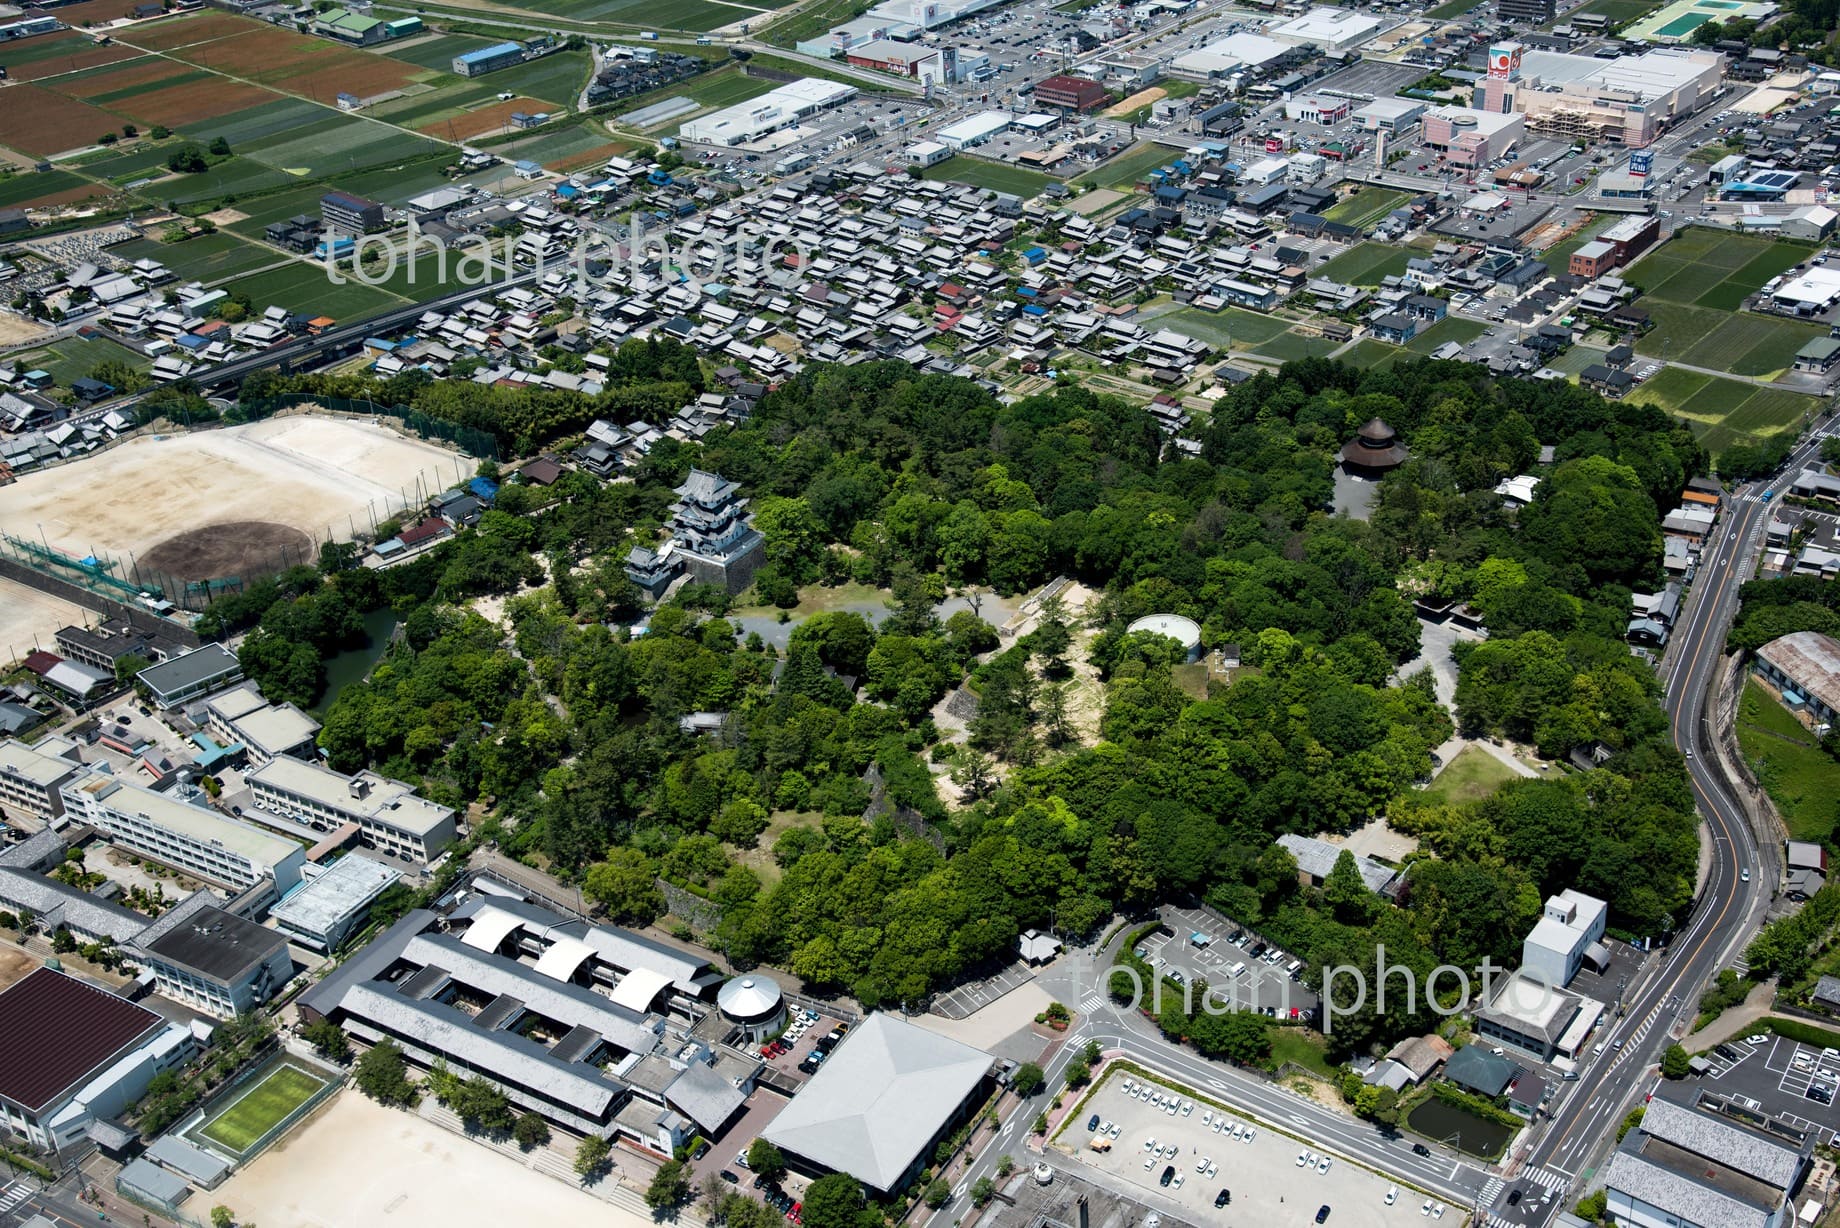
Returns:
(749, 998)
(1184, 631)
(1463, 121)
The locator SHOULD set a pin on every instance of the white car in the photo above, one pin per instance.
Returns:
(1426, 1209)
(1170, 1108)
(1437, 1210)
(1207, 1117)
(1105, 1127)
(1150, 1163)
(1323, 1165)
(1247, 1136)
(1218, 1123)
(1178, 1181)
(1188, 1108)
(1114, 1130)
(1150, 1143)
(1201, 1165)
(1128, 1086)
(1303, 1159)
(1392, 1195)
(1757, 1038)
(1213, 1169)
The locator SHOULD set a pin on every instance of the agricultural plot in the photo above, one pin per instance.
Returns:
(1131, 166)
(1290, 346)
(34, 59)
(553, 147)
(1450, 328)
(1368, 353)
(1225, 329)
(121, 80)
(1366, 264)
(50, 188)
(438, 52)
(40, 121)
(1724, 411)
(1366, 207)
(694, 16)
(1618, 11)
(231, 177)
(75, 357)
(1670, 388)
(301, 285)
(207, 258)
(337, 143)
(997, 176)
(1743, 344)
(1708, 268)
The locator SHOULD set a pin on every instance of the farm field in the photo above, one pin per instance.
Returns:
(1708, 268)
(1366, 207)
(50, 188)
(41, 121)
(309, 473)
(1366, 264)
(997, 176)
(695, 16)
(1618, 11)
(1131, 166)
(36, 58)
(261, 1108)
(207, 258)
(1741, 343)
(1289, 346)
(565, 146)
(301, 285)
(1367, 353)
(74, 357)
(1450, 328)
(438, 52)
(1232, 326)
(1724, 411)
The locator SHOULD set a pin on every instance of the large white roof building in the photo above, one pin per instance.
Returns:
(773, 110)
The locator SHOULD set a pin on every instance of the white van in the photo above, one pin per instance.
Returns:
(1237, 969)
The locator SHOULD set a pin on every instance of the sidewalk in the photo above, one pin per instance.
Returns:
(1740, 1020)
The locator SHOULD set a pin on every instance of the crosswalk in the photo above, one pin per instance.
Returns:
(1092, 1003)
(13, 1195)
(1546, 1180)
(1490, 1192)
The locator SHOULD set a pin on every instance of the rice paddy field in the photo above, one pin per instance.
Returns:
(209, 258)
(1232, 327)
(695, 16)
(1132, 165)
(300, 285)
(1367, 206)
(1723, 411)
(1710, 268)
(74, 357)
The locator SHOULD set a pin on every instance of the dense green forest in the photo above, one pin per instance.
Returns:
(566, 729)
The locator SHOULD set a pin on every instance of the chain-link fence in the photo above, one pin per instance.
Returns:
(471, 440)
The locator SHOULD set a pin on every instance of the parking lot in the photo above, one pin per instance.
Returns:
(1262, 1171)
(1775, 1075)
(972, 996)
(1201, 945)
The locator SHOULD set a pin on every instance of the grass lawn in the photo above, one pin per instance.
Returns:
(1618, 11)
(1370, 353)
(1232, 326)
(1450, 328)
(303, 285)
(1450, 9)
(760, 858)
(261, 1108)
(1670, 388)
(1473, 775)
(1303, 1048)
(997, 176)
(1366, 207)
(1366, 264)
(1289, 346)
(1803, 779)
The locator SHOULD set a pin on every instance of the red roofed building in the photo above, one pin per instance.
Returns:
(75, 1053)
(41, 662)
(1073, 93)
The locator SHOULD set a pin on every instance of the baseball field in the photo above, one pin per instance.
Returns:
(317, 476)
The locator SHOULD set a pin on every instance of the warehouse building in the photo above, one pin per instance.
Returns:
(333, 902)
(179, 834)
(778, 108)
(388, 814)
(1804, 668)
(881, 1102)
(31, 777)
(488, 59)
(76, 1055)
(927, 153)
(1813, 291)
(1331, 30)
(975, 131)
(1243, 54)
(242, 717)
(211, 960)
(198, 672)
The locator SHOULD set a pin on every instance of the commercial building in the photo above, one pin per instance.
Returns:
(211, 960)
(927, 153)
(1318, 109)
(76, 1054)
(1538, 1018)
(916, 61)
(1469, 137)
(778, 108)
(30, 779)
(1629, 100)
(242, 717)
(388, 814)
(1699, 1160)
(1813, 291)
(1071, 93)
(1569, 931)
(1392, 116)
(488, 59)
(349, 214)
(880, 1103)
(1330, 30)
(560, 1015)
(972, 132)
(1244, 54)
(1804, 667)
(177, 833)
(196, 673)
(333, 902)
(1526, 12)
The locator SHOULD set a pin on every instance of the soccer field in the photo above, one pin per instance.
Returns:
(261, 1108)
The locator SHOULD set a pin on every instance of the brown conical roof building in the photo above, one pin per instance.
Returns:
(1375, 449)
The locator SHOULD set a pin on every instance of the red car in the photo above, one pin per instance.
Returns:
(793, 1214)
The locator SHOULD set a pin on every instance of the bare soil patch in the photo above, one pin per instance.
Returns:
(484, 120)
(143, 71)
(195, 101)
(243, 548)
(41, 122)
(82, 54)
(199, 28)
